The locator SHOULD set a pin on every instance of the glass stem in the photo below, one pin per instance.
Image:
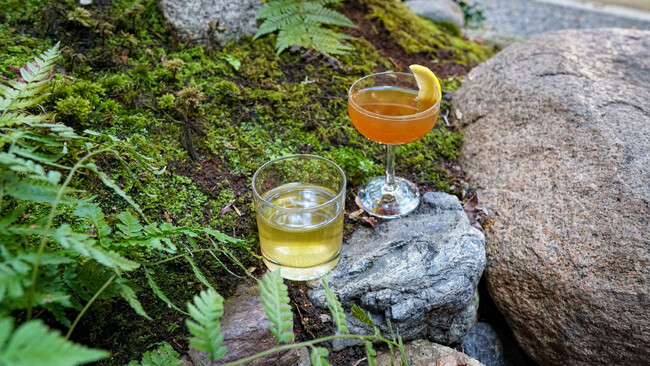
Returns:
(390, 186)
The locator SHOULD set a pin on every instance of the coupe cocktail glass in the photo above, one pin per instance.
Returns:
(385, 108)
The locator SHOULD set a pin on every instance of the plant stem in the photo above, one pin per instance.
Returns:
(48, 226)
(83, 311)
(307, 343)
(390, 186)
(181, 255)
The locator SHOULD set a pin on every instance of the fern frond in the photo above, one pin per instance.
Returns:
(17, 96)
(161, 295)
(275, 8)
(84, 244)
(318, 356)
(206, 311)
(370, 354)
(318, 14)
(301, 23)
(14, 275)
(128, 294)
(164, 355)
(278, 22)
(275, 298)
(34, 344)
(338, 315)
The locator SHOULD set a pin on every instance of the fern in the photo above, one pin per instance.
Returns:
(164, 355)
(206, 311)
(302, 23)
(335, 307)
(34, 344)
(318, 356)
(17, 96)
(275, 298)
(370, 354)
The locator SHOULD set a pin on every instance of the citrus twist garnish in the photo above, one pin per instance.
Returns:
(427, 82)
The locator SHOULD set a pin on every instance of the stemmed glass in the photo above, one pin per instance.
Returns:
(384, 107)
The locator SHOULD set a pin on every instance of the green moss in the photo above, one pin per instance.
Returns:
(416, 34)
(74, 109)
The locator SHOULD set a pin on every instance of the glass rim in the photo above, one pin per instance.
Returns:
(338, 195)
(365, 111)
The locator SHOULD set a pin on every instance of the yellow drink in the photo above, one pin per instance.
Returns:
(294, 237)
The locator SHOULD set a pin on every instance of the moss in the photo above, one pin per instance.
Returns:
(416, 34)
(74, 109)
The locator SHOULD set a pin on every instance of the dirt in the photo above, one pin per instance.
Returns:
(381, 39)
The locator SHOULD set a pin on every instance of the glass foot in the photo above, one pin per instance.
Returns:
(389, 204)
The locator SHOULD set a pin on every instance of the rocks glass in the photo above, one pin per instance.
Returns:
(299, 203)
(384, 108)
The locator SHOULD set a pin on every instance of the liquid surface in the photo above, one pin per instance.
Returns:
(391, 102)
(300, 239)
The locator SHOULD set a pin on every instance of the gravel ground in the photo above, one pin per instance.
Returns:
(529, 17)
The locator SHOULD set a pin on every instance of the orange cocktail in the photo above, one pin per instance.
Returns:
(389, 108)
(391, 115)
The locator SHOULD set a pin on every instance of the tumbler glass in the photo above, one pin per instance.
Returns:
(299, 203)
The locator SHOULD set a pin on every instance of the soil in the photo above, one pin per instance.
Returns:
(381, 39)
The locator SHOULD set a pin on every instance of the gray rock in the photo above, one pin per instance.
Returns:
(245, 330)
(294, 357)
(212, 21)
(438, 10)
(423, 353)
(557, 140)
(420, 272)
(487, 345)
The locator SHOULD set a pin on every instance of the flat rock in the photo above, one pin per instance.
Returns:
(419, 272)
(212, 21)
(424, 353)
(438, 10)
(557, 140)
(245, 330)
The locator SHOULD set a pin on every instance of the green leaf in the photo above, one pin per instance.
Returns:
(206, 311)
(197, 272)
(34, 344)
(275, 298)
(129, 295)
(318, 356)
(110, 184)
(338, 315)
(358, 313)
(370, 354)
(130, 226)
(161, 295)
(84, 244)
(164, 355)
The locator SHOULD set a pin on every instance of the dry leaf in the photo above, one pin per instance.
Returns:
(227, 208)
(476, 214)
(169, 220)
(370, 220)
(236, 210)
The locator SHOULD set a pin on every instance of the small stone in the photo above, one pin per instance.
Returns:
(438, 11)
(325, 318)
(424, 353)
